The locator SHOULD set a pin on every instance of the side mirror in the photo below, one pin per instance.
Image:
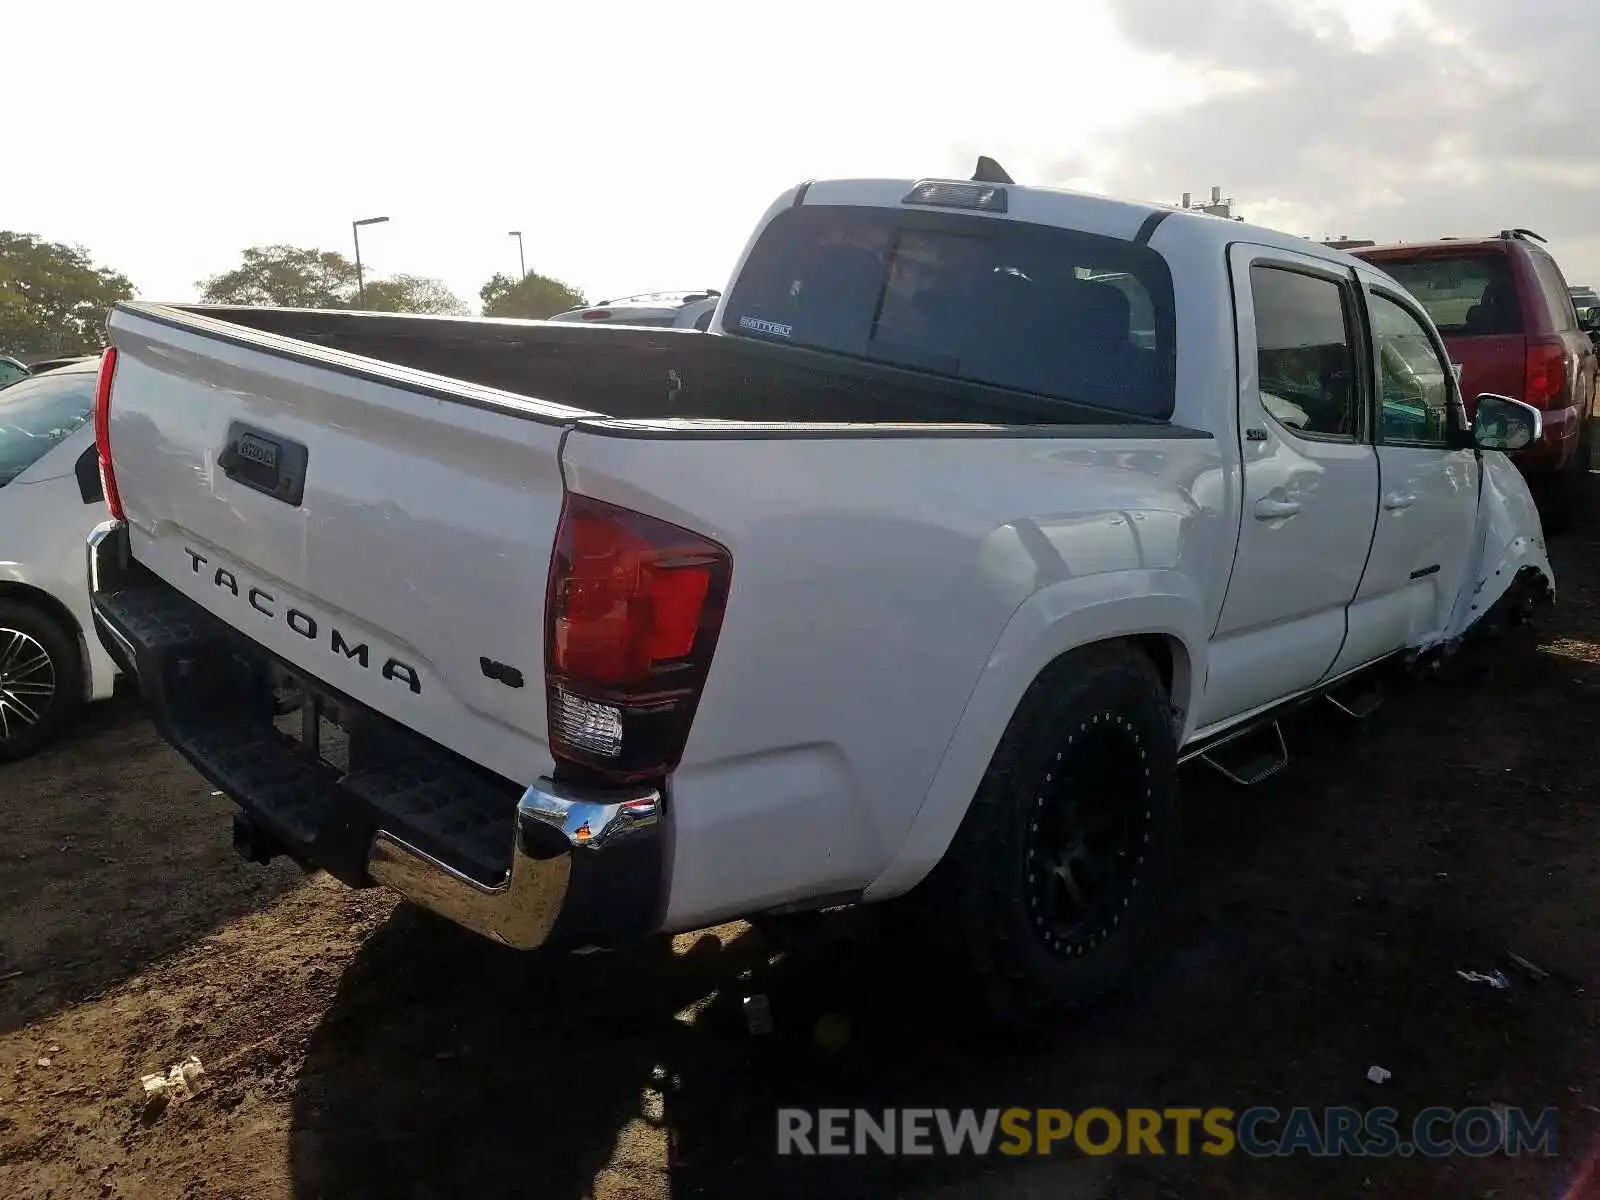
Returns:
(1502, 423)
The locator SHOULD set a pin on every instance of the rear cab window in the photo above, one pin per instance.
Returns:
(1057, 313)
(1465, 295)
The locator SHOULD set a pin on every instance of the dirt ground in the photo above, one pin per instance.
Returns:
(352, 1049)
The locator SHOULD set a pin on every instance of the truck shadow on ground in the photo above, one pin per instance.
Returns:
(537, 1077)
(1315, 930)
(113, 853)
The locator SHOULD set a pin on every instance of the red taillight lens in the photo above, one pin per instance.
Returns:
(102, 431)
(634, 609)
(597, 314)
(1546, 381)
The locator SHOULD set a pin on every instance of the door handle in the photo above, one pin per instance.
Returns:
(1268, 509)
(1395, 501)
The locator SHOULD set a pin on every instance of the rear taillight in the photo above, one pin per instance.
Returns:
(1546, 377)
(102, 431)
(632, 617)
(597, 314)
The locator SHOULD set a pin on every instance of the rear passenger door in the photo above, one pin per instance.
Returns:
(1428, 507)
(1310, 480)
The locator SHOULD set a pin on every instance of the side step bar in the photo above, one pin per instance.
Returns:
(1359, 699)
(1256, 754)
(1256, 750)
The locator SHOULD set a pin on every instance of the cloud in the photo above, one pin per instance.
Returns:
(1469, 116)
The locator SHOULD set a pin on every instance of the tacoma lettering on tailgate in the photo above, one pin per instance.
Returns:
(303, 623)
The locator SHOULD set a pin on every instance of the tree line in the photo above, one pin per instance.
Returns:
(53, 297)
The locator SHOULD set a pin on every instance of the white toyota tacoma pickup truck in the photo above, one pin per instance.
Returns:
(977, 510)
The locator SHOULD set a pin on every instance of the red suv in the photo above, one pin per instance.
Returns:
(1508, 321)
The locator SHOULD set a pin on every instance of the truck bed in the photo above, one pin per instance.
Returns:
(645, 373)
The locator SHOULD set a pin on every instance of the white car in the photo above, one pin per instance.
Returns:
(50, 499)
(672, 310)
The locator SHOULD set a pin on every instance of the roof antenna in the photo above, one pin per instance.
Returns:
(990, 171)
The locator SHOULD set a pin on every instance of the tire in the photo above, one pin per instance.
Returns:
(1090, 744)
(35, 653)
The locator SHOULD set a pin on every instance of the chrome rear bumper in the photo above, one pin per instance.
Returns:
(551, 828)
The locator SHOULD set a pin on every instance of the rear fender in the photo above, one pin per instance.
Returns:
(1053, 621)
(1510, 540)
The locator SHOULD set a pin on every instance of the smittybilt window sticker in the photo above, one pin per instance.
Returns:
(757, 325)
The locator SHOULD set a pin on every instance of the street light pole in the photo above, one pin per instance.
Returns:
(355, 228)
(521, 262)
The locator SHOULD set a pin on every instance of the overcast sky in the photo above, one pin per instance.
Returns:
(636, 143)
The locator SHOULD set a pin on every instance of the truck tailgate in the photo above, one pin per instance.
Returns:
(418, 548)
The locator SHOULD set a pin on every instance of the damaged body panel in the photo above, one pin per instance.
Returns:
(1509, 548)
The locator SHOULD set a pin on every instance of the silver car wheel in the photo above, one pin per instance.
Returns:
(27, 683)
